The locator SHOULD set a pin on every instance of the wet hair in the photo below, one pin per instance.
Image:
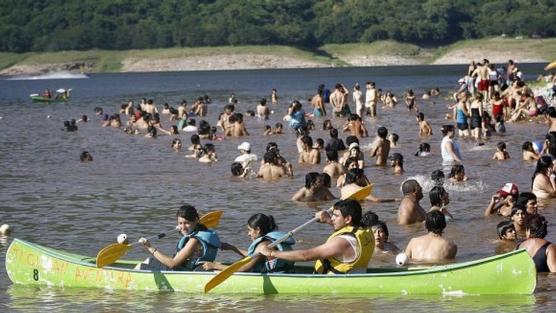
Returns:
(517, 208)
(350, 208)
(381, 225)
(195, 139)
(204, 128)
(446, 129)
(237, 169)
(352, 176)
(456, 169)
(248, 113)
(332, 155)
(382, 132)
(420, 116)
(311, 178)
(270, 157)
(435, 195)
(398, 158)
(424, 147)
(369, 219)
(351, 139)
(537, 226)
(308, 141)
(271, 146)
(525, 197)
(326, 180)
(409, 186)
(208, 147)
(191, 122)
(395, 137)
(189, 213)
(326, 125)
(84, 118)
(435, 222)
(501, 146)
(551, 137)
(437, 176)
(152, 131)
(527, 146)
(320, 142)
(349, 161)
(503, 227)
(265, 223)
(279, 125)
(85, 156)
(333, 133)
(174, 141)
(543, 164)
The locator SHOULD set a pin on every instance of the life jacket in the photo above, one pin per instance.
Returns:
(366, 245)
(274, 265)
(210, 242)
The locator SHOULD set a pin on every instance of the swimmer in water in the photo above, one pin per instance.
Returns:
(439, 198)
(393, 137)
(501, 154)
(425, 128)
(397, 163)
(209, 154)
(381, 147)
(314, 189)
(529, 153)
(380, 231)
(424, 150)
(176, 144)
(457, 174)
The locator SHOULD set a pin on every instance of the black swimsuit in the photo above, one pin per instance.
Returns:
(540, 259)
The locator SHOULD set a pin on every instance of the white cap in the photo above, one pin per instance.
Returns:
(244, 146)
(353, 145)
(461, 80)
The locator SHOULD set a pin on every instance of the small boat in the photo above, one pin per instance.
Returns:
(511, 273)
(62, 95)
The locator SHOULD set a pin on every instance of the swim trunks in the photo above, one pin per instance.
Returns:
(483, 85)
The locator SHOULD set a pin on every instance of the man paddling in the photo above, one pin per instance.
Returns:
(347, 250)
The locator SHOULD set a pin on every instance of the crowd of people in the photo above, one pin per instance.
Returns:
(487, 97)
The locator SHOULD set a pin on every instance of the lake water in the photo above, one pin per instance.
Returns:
(135, 184)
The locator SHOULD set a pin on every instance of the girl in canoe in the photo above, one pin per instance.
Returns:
(197, 244)
(261, 229)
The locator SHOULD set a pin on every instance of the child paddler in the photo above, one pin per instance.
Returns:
(262, 231)
(197, 244)
(347, 250)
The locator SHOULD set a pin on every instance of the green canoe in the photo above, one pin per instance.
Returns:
(511, 273)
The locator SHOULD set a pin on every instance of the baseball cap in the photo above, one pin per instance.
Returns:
(508, 189)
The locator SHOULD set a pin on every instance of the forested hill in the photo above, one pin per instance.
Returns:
(52, 25)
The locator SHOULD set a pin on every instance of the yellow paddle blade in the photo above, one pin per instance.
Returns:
(211, 219)
(361, 194)
(111, 254)
(227, 272)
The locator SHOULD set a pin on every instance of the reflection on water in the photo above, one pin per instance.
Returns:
(135, 184)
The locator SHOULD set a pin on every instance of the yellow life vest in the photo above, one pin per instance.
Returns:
(366, 245)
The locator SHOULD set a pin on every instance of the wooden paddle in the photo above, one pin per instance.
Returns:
(115, 251)
(234, 267)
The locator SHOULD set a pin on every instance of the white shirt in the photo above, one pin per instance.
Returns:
(246, 159)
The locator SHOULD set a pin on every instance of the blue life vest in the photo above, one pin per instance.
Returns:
(210, 243)
(274, 265)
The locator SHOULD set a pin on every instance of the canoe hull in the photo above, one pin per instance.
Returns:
(46, 99)
(512, 273)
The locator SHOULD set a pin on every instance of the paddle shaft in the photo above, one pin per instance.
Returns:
(159, 236)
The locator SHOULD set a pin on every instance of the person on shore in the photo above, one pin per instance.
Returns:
(333, 168)
(503, 201)
(410, 211)
(355, 125)
(197, 245)
(262, 231)
(543, 182)
(528, 152)
(314, 189)
(542, 251)
(449, 147)
(348, 250)
(439, 199)
(246, 158)
(501, 153)
(317, 102)
(381, 147)
(262, 110)
(397, 163)
(425, 128)
(432, 248)
(382, 245)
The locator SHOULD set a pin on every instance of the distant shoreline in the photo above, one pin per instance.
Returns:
(497, 50)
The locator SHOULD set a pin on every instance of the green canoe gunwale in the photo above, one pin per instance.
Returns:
(524, 281)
